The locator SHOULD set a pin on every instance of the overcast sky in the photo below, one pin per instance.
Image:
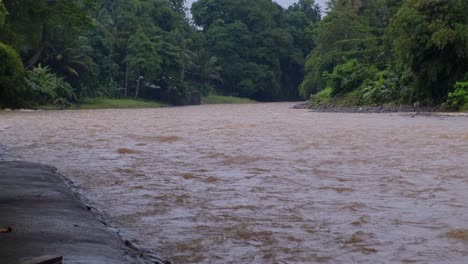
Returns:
(284, 3)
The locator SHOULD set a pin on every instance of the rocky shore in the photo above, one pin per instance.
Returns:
(303, 105)
(371, 109)
(378, 109)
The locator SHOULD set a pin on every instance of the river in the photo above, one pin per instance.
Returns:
(262, 183)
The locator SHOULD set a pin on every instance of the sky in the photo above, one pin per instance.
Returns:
(284, 3)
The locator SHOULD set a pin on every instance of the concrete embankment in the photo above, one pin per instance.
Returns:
(40, 215)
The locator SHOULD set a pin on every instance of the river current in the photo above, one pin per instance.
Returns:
(263, 183)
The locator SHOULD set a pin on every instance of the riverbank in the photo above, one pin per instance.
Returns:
(106, 103)
(219, 99)
(123, 103)
(330, 108)
(129, 103)
(41, 216)
(379, 109)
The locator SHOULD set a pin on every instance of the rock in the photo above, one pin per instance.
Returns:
(303, 105)
(375, 109)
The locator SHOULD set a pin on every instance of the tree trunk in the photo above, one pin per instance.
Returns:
(126, 79)
(138, 86)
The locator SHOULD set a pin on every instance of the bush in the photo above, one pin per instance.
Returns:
(96, 89)
(205, 89)
(459, 97)
(12, 88)
(48, 87)
(384, 89)
(347, 77)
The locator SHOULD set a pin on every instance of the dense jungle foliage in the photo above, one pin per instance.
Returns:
(390, 51)
(379, 51)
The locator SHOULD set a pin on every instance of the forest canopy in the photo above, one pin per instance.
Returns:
(378, 51)
(381, 51)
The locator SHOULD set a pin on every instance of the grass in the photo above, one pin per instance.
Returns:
(325, 93)
(105, 103)
(218, 99)
(47, 107)
(325, 98)
(464, 108)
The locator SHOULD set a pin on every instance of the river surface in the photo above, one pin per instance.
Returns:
(263, 183)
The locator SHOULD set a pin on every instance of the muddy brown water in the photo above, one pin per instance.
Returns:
(263, 183)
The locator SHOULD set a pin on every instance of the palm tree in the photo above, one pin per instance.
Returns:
(72, 62)
(204, 68)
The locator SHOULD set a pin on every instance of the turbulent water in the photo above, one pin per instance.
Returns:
(263, 183)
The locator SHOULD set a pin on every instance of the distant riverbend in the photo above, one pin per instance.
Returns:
(263, 183)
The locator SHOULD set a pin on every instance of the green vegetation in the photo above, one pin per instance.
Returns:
(261, 47)
(78, 49)
(459, 97)
(62, 53)
(106, 103)
(431, 38)
(390, 51)
(11, 77)
(218, 99)
(326, 98)
(48, 88)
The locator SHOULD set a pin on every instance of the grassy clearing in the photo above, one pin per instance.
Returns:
(104, 103)
(218, 99)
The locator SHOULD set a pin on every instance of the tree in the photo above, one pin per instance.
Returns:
(179, 6)
(12, 88)
(261, 47)
(352, 30)
(431, 37)
(34, 26)
(337, 35)
(143, 59)
(159, 25)
(300, 20)
(204, 69)
(97, 45)
(3, 13)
